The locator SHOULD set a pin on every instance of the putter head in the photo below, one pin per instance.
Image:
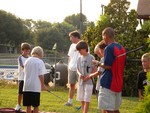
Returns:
(78, 108)
(48, 90)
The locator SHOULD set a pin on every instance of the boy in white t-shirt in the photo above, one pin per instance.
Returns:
(84, 67)
(33, 80)
(25, 49)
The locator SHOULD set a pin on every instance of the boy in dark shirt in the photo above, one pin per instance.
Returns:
(142, 79)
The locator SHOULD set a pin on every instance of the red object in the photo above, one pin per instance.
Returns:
(7, 110)
(10, 110)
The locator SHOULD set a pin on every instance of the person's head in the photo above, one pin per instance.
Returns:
(74, 36)
(99, 49)
(25, 49)
(37, 52)
(82, 47)
(108, 35)
(145, 59)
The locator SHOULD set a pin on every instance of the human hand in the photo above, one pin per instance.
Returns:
(95, 62)
(87, 77)
(81, 77)
(43, 88)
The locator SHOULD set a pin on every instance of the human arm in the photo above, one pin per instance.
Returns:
(94, 72)
(42, 71)
(140, 86)
(68, 60)
(70, 52)
(20, 62)
(80, 75)
(43, 87)
(97, 73)
(97, 63)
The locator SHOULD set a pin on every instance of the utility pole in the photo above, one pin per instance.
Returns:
(81, 16)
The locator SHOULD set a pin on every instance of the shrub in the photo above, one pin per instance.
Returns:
(144, 105)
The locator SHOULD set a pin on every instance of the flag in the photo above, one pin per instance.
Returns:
(55, 46)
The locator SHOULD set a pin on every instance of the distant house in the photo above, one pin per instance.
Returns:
(143, 9)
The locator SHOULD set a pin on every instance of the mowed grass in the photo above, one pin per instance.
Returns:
(51, 103)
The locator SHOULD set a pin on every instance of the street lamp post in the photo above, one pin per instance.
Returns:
(102, 6)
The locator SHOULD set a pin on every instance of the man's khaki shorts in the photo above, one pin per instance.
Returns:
(109, 100)
(72, 77)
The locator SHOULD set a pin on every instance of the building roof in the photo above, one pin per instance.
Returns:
(143, 9)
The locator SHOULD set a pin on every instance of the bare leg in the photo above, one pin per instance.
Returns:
(86, 107)
(71, 91)
(28, 109)
(103, 111)
(36, 109)
(19, 99)
(83, 103)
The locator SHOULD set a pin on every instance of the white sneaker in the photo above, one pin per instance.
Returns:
(18, 108)
(68, 104)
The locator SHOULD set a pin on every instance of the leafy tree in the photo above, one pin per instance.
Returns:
(29, 26)
(95, 31)
(12, 30)
(144, 32)
(64, 28)
(48, 34)
(74, 20)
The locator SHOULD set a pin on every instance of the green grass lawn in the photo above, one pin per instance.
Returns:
(51, 103)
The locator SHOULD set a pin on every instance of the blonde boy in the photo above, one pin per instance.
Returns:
(142, 79)
(34, 80)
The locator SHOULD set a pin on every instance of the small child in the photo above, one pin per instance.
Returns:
(25, 49)
(84, 67)
(142, 79)
(99, 51)
(33, 80)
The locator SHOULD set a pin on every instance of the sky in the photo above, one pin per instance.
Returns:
(56, 10)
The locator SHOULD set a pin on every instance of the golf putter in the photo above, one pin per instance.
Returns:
(77, 108)
(133, 50)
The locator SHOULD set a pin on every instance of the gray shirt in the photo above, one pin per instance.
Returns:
(85, 66)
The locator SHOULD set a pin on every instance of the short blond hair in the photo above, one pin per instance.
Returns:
(37, 51)
(147, 56)
(100, 45)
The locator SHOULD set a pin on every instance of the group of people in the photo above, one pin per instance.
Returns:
(82, 67)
